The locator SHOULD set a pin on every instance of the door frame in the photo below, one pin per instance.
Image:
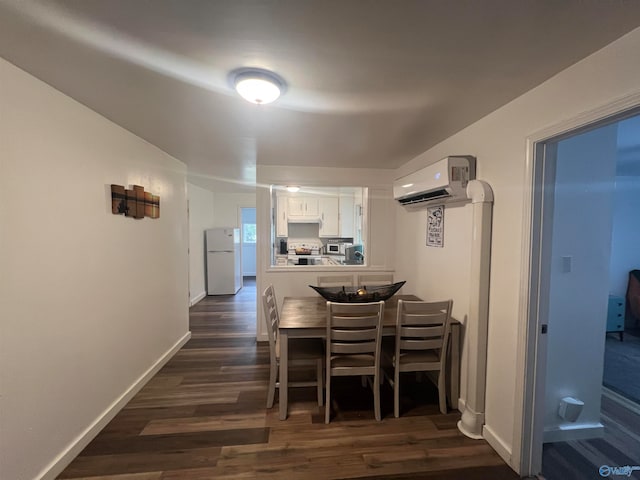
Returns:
(239, 213)
(538, 214)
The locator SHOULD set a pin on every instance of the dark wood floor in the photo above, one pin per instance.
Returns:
(582, 459)
(203, 416)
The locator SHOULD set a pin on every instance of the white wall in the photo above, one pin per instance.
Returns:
(499, 141)
(90, 301)
(200, 219)
(578, 293)
(625, 252)
(226, 208)
(294, 281)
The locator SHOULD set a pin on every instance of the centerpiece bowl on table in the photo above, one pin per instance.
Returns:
(358, 294)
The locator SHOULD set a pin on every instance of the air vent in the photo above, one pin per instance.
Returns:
(423, 197)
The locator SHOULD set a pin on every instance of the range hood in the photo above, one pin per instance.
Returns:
(304, 219)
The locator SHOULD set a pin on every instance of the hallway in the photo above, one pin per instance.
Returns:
(203, 417)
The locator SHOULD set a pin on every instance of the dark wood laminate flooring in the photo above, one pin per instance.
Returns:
(203, 416)
(619, 447)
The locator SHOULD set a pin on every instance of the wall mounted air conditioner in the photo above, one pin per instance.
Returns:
(443, 182)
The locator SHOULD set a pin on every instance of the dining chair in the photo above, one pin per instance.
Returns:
(335, 280)
(374, 279)
(422, 337)
(353, 346)
(302, 352)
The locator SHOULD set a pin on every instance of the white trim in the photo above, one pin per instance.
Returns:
(590, 117)
(54, 468)
(197, 298)
(497, 444)
(582, 431)
(527, 412)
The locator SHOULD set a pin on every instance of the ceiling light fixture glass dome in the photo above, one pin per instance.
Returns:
(257, 85)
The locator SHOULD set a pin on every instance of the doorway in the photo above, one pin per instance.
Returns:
(248, 236)
(572, 275)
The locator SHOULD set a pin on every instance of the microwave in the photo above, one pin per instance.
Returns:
(337, 248)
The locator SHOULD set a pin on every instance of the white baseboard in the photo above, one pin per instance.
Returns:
(56, 467)
(497, 444)
(492, 439)
(581, 431)
(197, 298)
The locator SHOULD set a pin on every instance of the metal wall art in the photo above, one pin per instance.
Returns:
(134, 203)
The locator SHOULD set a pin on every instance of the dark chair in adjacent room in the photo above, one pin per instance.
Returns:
(633, 298)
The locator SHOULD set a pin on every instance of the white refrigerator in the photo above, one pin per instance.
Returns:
(224, 275)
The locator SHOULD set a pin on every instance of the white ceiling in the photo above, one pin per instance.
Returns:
(370, 83)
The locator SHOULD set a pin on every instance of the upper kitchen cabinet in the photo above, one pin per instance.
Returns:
(302, 207)
(282, 220)
(347, 216)
(329, 217)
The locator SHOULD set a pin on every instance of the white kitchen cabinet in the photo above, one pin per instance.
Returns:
(347, 216)
(358, 224)
(282, 225)
(301, 207)
(329, 217)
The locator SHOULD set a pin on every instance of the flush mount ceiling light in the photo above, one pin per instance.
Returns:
(257, 85)
(292, 188)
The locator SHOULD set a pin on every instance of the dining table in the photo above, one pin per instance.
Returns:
(306, 317)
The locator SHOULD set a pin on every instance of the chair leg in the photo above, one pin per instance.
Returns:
(442, 393)
(396, 392)
(273, 373)
(319, 381)
(327, 402)
(376, 396)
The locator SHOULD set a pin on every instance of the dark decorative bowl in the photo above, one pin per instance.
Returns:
(358, 294)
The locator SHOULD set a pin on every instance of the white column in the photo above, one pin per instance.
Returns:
(476, 328)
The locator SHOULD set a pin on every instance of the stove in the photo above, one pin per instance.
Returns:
(304, 252)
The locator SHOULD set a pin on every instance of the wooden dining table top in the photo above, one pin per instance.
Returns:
(311, 312)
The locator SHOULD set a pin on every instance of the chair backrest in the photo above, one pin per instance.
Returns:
(270, 307)
(373, 279)
(633, 296)
(354, 328)
(335, 280)
(423, 326)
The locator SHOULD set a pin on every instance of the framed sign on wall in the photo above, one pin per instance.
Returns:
(435, 226)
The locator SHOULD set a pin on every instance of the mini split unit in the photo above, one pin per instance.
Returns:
(443, 182)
